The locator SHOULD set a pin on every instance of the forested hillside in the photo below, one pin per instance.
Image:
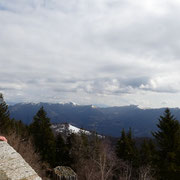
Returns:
(95, 157)
(107, 121)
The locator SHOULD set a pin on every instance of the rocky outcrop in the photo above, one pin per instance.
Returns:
(13, 166)
(64, 173)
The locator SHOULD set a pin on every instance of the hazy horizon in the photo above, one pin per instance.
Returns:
(95, 105)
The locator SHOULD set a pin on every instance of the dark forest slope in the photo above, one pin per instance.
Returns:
(108, 121)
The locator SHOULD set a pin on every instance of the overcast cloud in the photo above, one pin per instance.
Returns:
(113, 52)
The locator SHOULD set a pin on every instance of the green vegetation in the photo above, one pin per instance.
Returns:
(126, 148)
(92, 157)
(168, 147)
(43, 136)
(5, 121)
(8, 125)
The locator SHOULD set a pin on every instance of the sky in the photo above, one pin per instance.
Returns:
(105, 52)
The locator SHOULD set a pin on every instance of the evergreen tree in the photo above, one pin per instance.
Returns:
(72, 143)
(168, 147)
(5, 121)
(146, 153)
(20, 128)
(43, 136)
(62, 152)
(125, 148)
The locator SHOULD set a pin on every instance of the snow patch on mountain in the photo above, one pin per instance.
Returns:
(74, 129)
(93, 106)
(59, 128)
(68, 128)
(69, 103)
(73, 103)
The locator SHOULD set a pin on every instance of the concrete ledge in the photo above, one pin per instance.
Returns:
(13, 166)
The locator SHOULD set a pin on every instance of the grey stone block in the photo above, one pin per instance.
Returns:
(13, 166)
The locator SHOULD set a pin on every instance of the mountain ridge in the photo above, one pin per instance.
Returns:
(106, 120)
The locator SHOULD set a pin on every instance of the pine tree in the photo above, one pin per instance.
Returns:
(146, 153)
(62, 152)
(168, 147)
(5, 121)
(125, 148)
(43, 136)
(20, 128)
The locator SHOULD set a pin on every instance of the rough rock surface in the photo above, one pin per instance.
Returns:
(13, 166)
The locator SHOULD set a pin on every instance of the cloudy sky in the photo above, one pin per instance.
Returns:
(112, 52)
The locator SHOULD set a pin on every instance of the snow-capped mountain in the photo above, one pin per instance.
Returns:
(65, 127)
(69, 103)
(69, 129)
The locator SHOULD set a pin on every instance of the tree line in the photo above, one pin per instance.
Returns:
(97, 158)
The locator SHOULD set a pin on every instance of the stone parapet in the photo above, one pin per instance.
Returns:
(13, 166)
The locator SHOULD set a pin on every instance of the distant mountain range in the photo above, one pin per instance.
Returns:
(107, 121)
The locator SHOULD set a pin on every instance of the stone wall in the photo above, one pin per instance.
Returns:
(13, 166)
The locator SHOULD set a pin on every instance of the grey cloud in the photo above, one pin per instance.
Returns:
(162, 90)
(106, 86)
(121, 85)
(112, 68)
(90, 51)
(7, 89)
(66, 90)
(156, 37)
(136, 82)
(166, 89)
